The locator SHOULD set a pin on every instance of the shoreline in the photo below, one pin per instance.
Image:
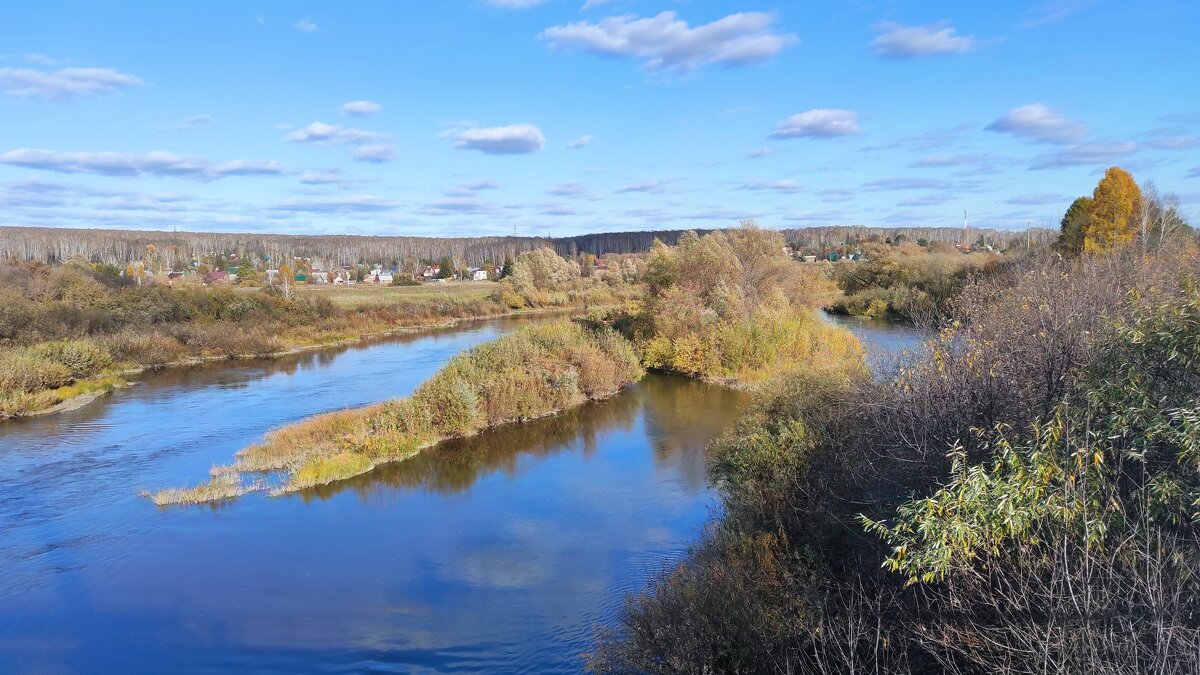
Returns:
(85, 398)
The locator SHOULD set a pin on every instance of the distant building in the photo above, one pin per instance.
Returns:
(217, 277)
(479, 275)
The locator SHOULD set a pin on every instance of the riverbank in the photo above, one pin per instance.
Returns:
(82, 392)
(534, 372)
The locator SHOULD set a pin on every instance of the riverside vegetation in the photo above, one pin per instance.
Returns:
(732, 307)
(1021, 497)
(719, 307)
(908, 282)
(76, 329)
(533, 372)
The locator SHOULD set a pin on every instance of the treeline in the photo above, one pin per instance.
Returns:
(176, 250)
(830, 238)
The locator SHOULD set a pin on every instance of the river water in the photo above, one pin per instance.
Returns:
(499, 553)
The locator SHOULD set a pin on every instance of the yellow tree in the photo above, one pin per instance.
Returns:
(285, 276)
(1114, 221)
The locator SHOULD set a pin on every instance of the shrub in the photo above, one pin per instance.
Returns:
(146, 349)
(82, 358)
(23, 371)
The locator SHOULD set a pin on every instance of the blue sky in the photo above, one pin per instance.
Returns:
(558, 117)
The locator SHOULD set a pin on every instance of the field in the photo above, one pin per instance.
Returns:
(362, 296)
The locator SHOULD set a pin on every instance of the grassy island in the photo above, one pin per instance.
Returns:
(533, 372)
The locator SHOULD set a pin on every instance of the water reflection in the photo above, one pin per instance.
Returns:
(497, 553)
(681, 416)
(888, 344)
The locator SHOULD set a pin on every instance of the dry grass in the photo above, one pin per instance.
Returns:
(361, 296)
(224, 484)
(533, 372)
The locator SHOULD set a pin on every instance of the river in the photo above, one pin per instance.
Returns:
(499, 553)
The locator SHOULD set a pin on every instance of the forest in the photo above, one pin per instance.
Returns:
(177, 250)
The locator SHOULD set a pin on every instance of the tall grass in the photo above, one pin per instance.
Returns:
(533, 372)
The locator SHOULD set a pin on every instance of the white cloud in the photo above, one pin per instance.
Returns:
(642, 186)
(514, 139)
(889, 184)
(1038, 199)
(592, 4)
(331, 177)
(964, 159)
(1171, 139)
(376, 154)
(42, 59)
(758, 153)
(194, 122)
(818, 123)
(896, 41)
(1040, 123)
(157, 163)
(567, 190)
(469, 189)
(815, 216)
(320, 132)
(773, 185)
(458, 205)
(361, 108)
(1085, 154)
(1054, 11)
(357, 204)
(935, 199)
(306, 26)
(666, 43)
(581, 142)
(63, 84)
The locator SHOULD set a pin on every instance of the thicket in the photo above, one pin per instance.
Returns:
(1023, 497)
(908, 283)
(732, 306)
(530, 373)
(542, 278)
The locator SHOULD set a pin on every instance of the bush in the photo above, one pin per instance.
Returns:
(147, 349)
(81, 358)
(23, 371)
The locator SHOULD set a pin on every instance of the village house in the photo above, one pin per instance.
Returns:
(479, 274)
